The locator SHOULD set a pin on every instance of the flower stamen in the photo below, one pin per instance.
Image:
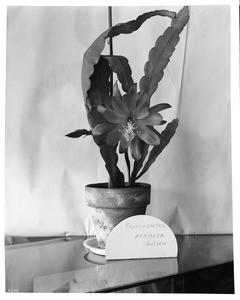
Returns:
(128, 131)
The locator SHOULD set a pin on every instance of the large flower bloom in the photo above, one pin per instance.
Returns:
(129, 119)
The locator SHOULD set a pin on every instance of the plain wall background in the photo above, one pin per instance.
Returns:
(46, 172)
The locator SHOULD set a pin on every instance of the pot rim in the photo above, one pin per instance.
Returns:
(104, 185)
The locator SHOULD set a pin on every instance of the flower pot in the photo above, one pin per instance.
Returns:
(109, 206)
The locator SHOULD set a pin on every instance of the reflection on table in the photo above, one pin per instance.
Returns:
(67, 266)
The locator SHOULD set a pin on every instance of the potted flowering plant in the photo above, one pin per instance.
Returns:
(122, 120)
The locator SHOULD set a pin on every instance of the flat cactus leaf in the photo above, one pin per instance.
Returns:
(110, 157)
(100, 88)
(90, 58)
(165, 138)
(159, 56)
(134, 25)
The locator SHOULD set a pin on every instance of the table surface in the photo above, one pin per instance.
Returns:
(57, 265)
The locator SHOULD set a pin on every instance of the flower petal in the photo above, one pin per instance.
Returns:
(142, 98)
(133, 89)
(141, 111)
(130, 101)
(148, 136)
(116, 91)
(114, 136)
(135, 149)
(108, 101)
(120, 107)
(163, 122)
(152, 119)
(101, 109)
(124, 144)
(103, 128)
(112, 116)
(158, 107)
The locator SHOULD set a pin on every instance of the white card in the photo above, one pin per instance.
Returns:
(141, 236)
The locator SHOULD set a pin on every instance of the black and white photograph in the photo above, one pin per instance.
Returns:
(119, 173)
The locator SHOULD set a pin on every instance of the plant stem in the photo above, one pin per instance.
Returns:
(110, 45)
(128, 164)
(110, 184)
(110, 25)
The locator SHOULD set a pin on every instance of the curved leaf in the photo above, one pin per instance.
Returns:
(90, 58)
(92, 55)
(159, 56)
(165, 138)
(134, 25)
(100, 88)
(119, 65)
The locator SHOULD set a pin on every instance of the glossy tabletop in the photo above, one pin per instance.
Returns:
(57, 265)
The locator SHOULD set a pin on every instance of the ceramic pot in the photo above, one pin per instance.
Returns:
(109, 206)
